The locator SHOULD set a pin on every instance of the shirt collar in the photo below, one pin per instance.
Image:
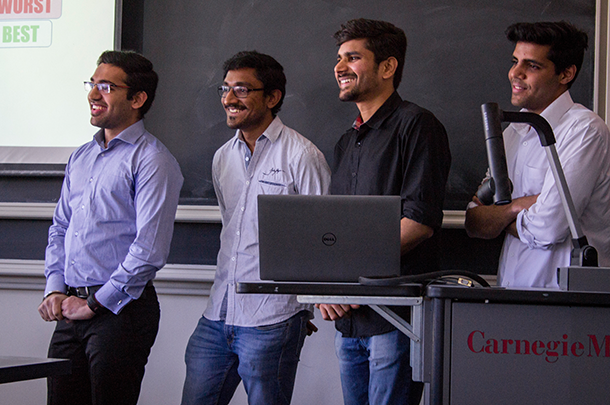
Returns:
(557, 109)
(552, 113)
(358, 123)
(384, 111)
(272, 132)
(129, 135)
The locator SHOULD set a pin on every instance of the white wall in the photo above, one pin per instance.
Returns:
(24, 333)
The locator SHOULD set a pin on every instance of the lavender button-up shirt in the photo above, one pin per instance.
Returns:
(114, 221)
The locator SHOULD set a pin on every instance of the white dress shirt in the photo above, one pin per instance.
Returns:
(545, 240)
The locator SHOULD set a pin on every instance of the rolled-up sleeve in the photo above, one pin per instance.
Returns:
(583, 159)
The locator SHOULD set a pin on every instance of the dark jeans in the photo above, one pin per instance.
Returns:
(219, 356)
(376, 370)
(108, 354)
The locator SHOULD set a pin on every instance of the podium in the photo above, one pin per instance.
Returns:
(490, 345)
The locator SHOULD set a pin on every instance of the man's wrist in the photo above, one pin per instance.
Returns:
(51, 293)
(94, 305)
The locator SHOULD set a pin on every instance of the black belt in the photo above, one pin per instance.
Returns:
(84, 292)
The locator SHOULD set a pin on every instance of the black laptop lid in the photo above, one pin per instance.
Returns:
(334, 238)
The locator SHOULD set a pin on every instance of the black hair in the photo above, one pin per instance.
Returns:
(383, 39)
(139, 71)
(567, 43)
(267, 70)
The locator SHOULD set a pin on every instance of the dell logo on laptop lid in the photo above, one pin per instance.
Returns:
(329, 239)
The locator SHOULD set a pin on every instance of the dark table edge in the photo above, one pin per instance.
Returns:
(474, 294)
(407, 290)
(47, 368)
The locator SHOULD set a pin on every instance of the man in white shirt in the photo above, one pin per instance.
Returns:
(546, 61)
(254, 338)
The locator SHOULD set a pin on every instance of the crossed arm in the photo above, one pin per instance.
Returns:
(488, 221)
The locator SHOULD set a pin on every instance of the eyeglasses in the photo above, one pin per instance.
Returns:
(238, 91)
(103, 87)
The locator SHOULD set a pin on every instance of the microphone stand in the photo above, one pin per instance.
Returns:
(583, 254)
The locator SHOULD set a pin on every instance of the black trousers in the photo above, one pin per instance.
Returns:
(108, 354)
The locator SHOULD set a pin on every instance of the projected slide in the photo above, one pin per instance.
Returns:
(47, 49)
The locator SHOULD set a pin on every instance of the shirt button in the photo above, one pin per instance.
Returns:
(91, 179)
(71, 261)
(353, 174)
(243, 209)
(237, 232)
(232, 259)
(76, 233)
(525, 143)
(83, 207)
(247, 182)
(120, 302)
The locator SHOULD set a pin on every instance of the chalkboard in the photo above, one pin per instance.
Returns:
(457, 59)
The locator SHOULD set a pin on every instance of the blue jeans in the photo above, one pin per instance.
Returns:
(219, 356)
(376, 370)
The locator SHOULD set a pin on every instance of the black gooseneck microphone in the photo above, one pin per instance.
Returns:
(498, 188)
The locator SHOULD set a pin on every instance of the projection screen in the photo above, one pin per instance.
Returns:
(47, 49)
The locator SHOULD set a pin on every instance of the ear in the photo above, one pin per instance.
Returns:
(273, 98)
(388, 67)
(138, 100)
(567, 75)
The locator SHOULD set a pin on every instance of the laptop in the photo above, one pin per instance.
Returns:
(332, 238)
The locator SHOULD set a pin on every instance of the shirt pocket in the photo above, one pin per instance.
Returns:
(533, 179)
(273, 183)
(267, 187)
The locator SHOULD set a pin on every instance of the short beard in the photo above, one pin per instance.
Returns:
(352, 95)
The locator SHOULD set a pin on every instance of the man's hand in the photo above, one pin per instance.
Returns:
(476, 200)
(311, 328)
(50, 308)
(489, 221)
(332, 312)
(522, 203)
(76, 309)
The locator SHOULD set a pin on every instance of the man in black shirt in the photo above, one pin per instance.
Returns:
(393, 148)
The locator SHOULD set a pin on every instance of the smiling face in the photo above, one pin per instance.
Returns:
(358, 76)
(534, 82)
(112, 111)
(251, 114)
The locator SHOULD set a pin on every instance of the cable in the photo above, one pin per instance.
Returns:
(425, 278)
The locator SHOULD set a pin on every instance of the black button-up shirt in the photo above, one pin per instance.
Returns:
(401, 150)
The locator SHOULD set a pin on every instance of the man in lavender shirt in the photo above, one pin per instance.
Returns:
(111, 233)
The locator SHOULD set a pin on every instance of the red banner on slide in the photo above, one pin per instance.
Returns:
(29, 9)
